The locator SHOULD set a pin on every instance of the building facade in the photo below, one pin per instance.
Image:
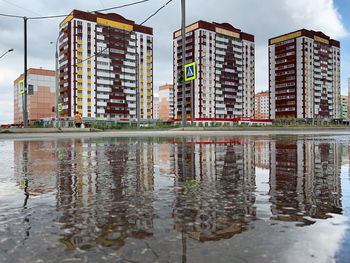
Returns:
(166, 93)
(40, 103)
(105, 62)
(262, 106)
(348, 98)
(225, 65)
(344, 108)
(156, 107)
(304, 76)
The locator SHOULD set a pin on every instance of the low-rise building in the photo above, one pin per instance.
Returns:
(40, 104)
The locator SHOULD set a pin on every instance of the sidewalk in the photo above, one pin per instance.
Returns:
(48, 130)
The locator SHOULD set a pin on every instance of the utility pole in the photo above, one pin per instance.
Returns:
(56, 84)
(138, 90)
(192, 102)
(25, 113)
(183, 34)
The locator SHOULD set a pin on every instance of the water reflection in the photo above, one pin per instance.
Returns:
(214, 193)
(105, 192)
(109, 191)
(304, 180)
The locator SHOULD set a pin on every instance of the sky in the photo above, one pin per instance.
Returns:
(262, 18)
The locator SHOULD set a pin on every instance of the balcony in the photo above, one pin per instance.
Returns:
(103, 96)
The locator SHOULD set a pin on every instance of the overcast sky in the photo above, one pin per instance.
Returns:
(262, 18)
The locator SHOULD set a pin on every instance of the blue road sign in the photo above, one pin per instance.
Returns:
(21, 86)
(190, 71)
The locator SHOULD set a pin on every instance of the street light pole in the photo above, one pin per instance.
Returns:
(10, 50)
(25, 113)
(56, 77)
(56, 83)
(138, 90)
(183, 34)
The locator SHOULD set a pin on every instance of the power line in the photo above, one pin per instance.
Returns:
(7, 15)
(13, 4)
(148, 18)
(77, 11)
(100, 10)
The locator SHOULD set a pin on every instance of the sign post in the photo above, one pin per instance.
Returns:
(190, 74)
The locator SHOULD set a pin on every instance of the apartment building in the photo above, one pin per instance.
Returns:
(105, 62)
(262, 105)
(41, 97)
(304, 76)
(156, 107)
(224, 88)
(166, 93)
(344, 108)
(348, 97)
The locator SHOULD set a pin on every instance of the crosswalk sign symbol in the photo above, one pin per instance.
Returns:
(190, 71)
(21, 87)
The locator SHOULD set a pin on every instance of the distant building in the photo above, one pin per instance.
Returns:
(104, 61)
(155, 108)
(348, 98)
(225, 63)
(166, 93)
(40, 103)
(262, 106)
(344, 107)
(304, 72)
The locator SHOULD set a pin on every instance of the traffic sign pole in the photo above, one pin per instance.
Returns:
(191, 103)
(183, 34)
(25, 113)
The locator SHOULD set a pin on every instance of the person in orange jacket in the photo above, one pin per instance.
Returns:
(77, 120)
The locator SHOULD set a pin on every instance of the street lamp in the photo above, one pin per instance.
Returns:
(56, 74)
(10, 50)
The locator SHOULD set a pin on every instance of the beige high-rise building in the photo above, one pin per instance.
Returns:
(304, 76)
(166, 93)
(40, 103)
(105, 63)
(224, 88)
(344, 107)
(262, 106)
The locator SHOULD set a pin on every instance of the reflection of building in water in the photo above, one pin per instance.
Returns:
(103, 191)
(262, 152)
(224, 204)
(35, 160)
(304, 179)
(164, 154)
(344, 147)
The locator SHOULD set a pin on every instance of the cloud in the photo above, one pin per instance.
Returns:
(317, 15)
(264, 19)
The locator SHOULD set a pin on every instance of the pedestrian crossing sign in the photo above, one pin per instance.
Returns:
(21, 86)
(190, 71)
(59, 107)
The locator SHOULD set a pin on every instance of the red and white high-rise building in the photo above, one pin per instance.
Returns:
(225, 84)
(304, 76)
(104, 61)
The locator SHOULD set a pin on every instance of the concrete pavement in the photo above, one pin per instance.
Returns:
(50, 133)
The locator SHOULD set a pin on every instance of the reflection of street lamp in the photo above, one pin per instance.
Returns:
(10, 50)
